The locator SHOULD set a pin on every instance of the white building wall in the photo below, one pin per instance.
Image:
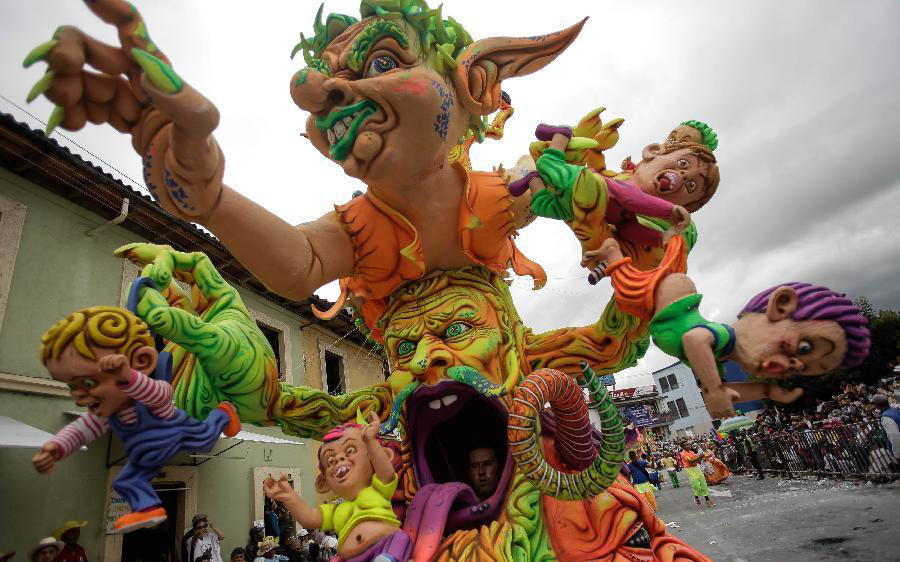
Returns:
(697, 420)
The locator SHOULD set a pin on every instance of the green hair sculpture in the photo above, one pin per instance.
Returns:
(709, 138)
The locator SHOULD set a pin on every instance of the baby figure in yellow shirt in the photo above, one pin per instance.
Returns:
(357, 468)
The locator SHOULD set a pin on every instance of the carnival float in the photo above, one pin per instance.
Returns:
(397, 96)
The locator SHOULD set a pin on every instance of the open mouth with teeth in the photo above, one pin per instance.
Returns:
(668, 182)
(342, 471)
(342, 125)
(447, 421)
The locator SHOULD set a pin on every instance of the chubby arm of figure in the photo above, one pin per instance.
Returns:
(291, 261)
(381, 460)
(69, 439)
(630, 196)
(282, 490)
(698, 349)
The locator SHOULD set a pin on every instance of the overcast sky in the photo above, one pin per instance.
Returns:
(804, 95)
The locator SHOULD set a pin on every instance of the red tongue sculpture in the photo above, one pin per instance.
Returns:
(664, 182)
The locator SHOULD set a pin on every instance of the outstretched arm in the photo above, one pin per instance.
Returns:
(134, 88)
(282, 490)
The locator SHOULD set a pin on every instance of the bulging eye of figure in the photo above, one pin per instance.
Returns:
(405, 348)
(456, 329)
(331, 461)
(683, 163)
(804, 347)
(90, 383)
(381, 64)
(350, 450)
(690, 186)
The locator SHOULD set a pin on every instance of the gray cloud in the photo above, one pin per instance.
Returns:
(803, 95)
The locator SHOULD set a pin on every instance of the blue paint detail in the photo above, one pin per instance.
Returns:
(148, 165)
(442, 119)
(176, 191)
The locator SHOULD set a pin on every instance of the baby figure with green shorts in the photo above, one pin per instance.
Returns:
(357, 468)
(789, 329)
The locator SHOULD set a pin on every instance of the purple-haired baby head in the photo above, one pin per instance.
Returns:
(815, 302)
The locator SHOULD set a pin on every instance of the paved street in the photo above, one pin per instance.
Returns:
(780, 520)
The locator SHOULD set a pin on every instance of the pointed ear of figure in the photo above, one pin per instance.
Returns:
(484, 64)
(321, 485)
(782, 303)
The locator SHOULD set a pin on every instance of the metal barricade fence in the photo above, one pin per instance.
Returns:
(859, 450)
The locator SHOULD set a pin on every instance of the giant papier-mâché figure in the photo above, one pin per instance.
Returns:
(422, 256)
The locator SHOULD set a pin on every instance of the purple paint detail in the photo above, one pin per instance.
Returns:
(545, 132)
(520, 186)
(548, 428)
(442, 119)
(176, 191)
(147, 167)
(815, 302)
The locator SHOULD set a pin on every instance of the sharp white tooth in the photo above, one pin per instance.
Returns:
(449, 399)
(435, 404)
(331, 138)
(339, 129)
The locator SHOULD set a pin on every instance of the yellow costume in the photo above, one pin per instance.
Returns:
(372, 504)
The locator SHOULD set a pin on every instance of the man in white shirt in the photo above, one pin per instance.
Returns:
(205, 544)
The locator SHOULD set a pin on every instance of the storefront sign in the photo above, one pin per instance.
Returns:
(116, 508)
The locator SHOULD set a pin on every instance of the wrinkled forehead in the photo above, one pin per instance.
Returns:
(419, 309)
(365, 34)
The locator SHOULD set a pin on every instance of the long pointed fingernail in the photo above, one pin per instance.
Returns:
(40, 86)
(158, 72)
(39, 53)
(55, 119)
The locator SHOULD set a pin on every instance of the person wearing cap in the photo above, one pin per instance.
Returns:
(69, 534)
(45, 550)
(890, 422)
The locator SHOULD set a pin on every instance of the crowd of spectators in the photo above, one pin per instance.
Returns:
(852, 434)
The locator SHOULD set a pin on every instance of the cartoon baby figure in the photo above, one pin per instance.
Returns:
(670, 182)
(105, 355)
(357, 468)
(789, 329)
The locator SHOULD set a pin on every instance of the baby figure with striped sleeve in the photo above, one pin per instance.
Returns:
(105, 355)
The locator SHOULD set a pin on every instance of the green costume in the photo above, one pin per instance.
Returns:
(670, 324)
(372, 504)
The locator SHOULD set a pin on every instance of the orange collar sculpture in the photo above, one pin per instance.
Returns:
(392, 97)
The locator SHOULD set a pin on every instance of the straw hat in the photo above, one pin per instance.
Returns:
(45, 542)
(268, 543)
(68, 526)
